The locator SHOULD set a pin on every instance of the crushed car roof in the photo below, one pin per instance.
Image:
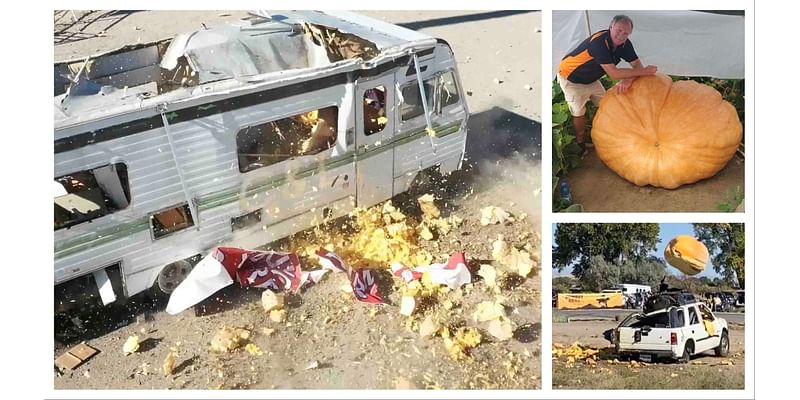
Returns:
(265, 50)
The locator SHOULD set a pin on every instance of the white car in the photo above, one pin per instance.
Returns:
(674, 325)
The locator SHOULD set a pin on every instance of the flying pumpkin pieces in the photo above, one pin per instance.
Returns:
(461, 342)
(407, 305)
(426, 204)
(501, 328)
(500, 249)
(429, 327)
(424, 232)
(517, 261)
(493, 215)
(489, 274)
(431, 131)
(131, 345)
(228, 339)
(277, 315)
(169, 364)
(489, 310)
(271, 300)
(673, 375)
(253, 349)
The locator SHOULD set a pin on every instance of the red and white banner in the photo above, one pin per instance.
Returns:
(363, 282)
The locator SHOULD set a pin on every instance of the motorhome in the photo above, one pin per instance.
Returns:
(239, 135)
(630, 289)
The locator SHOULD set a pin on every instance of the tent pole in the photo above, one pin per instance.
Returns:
(588, 26)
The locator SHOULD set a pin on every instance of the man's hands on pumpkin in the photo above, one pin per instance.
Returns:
(623, 85)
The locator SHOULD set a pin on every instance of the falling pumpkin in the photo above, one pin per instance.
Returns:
(687, 254)
(664, 133)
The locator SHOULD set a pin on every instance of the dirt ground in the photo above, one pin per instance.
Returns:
(598, 188)
(704, 371)
(329, 340)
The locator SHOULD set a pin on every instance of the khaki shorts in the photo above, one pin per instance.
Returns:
(577, 94)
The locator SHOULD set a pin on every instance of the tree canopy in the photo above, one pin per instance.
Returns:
(576, 244)
(725, 244)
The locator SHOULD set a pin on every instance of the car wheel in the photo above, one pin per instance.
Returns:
(172, 275)
(687, 352)
(724, 345)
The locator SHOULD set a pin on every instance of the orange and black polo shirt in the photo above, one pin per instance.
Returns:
(582, 65)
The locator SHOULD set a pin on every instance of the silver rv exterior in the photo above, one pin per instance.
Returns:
(166, 150)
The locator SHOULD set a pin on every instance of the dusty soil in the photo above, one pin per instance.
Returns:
(329, 340)
(704, 371)
(598, 188)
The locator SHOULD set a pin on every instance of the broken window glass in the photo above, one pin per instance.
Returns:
(244, 221)
(85, 195)
(374, 110)
(659, 320)
(412, 101)
(170, 221)
(275, 141)
(449, 92)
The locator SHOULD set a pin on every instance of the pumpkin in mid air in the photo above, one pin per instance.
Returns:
(687, 254)
(664, 133)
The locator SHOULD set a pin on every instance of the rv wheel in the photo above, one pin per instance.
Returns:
(172, 275)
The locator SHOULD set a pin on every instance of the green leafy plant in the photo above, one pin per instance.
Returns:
(566, 153)
(733, 197)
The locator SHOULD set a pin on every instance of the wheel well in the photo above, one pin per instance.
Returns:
(689, 342)
(192, 260)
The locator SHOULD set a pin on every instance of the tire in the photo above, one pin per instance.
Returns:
(724, 345)
(172, 275)
(687, 352)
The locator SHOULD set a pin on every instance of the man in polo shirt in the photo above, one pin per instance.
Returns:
(580, 71)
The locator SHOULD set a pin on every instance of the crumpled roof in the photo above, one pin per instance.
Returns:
(231, 51)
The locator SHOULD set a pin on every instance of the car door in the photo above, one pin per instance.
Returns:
(696, 329)
(713, 337)
(375, 105)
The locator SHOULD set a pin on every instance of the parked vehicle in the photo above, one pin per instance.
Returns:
(720, 301)
(672, 325)
(240, 135)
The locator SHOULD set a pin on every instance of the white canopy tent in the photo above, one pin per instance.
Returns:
(685, 43)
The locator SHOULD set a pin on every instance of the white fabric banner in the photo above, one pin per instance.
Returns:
(684, 43)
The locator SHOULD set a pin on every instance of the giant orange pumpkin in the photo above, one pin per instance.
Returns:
(665, 133)
(687, 254)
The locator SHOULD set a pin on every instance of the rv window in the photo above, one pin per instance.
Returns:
(374, 110)
(169, 221)
(449, 93)
(85, 195)
(243, 221)
(412, 101)
(275, 141)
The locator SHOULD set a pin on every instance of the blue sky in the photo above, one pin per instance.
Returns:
(666, 233)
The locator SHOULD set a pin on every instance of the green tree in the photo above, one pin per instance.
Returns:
(576, 244)
(564, 283)
(725, 243)
(646, 271)
(600, 274)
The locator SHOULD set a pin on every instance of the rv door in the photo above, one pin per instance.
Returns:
(375, 106)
